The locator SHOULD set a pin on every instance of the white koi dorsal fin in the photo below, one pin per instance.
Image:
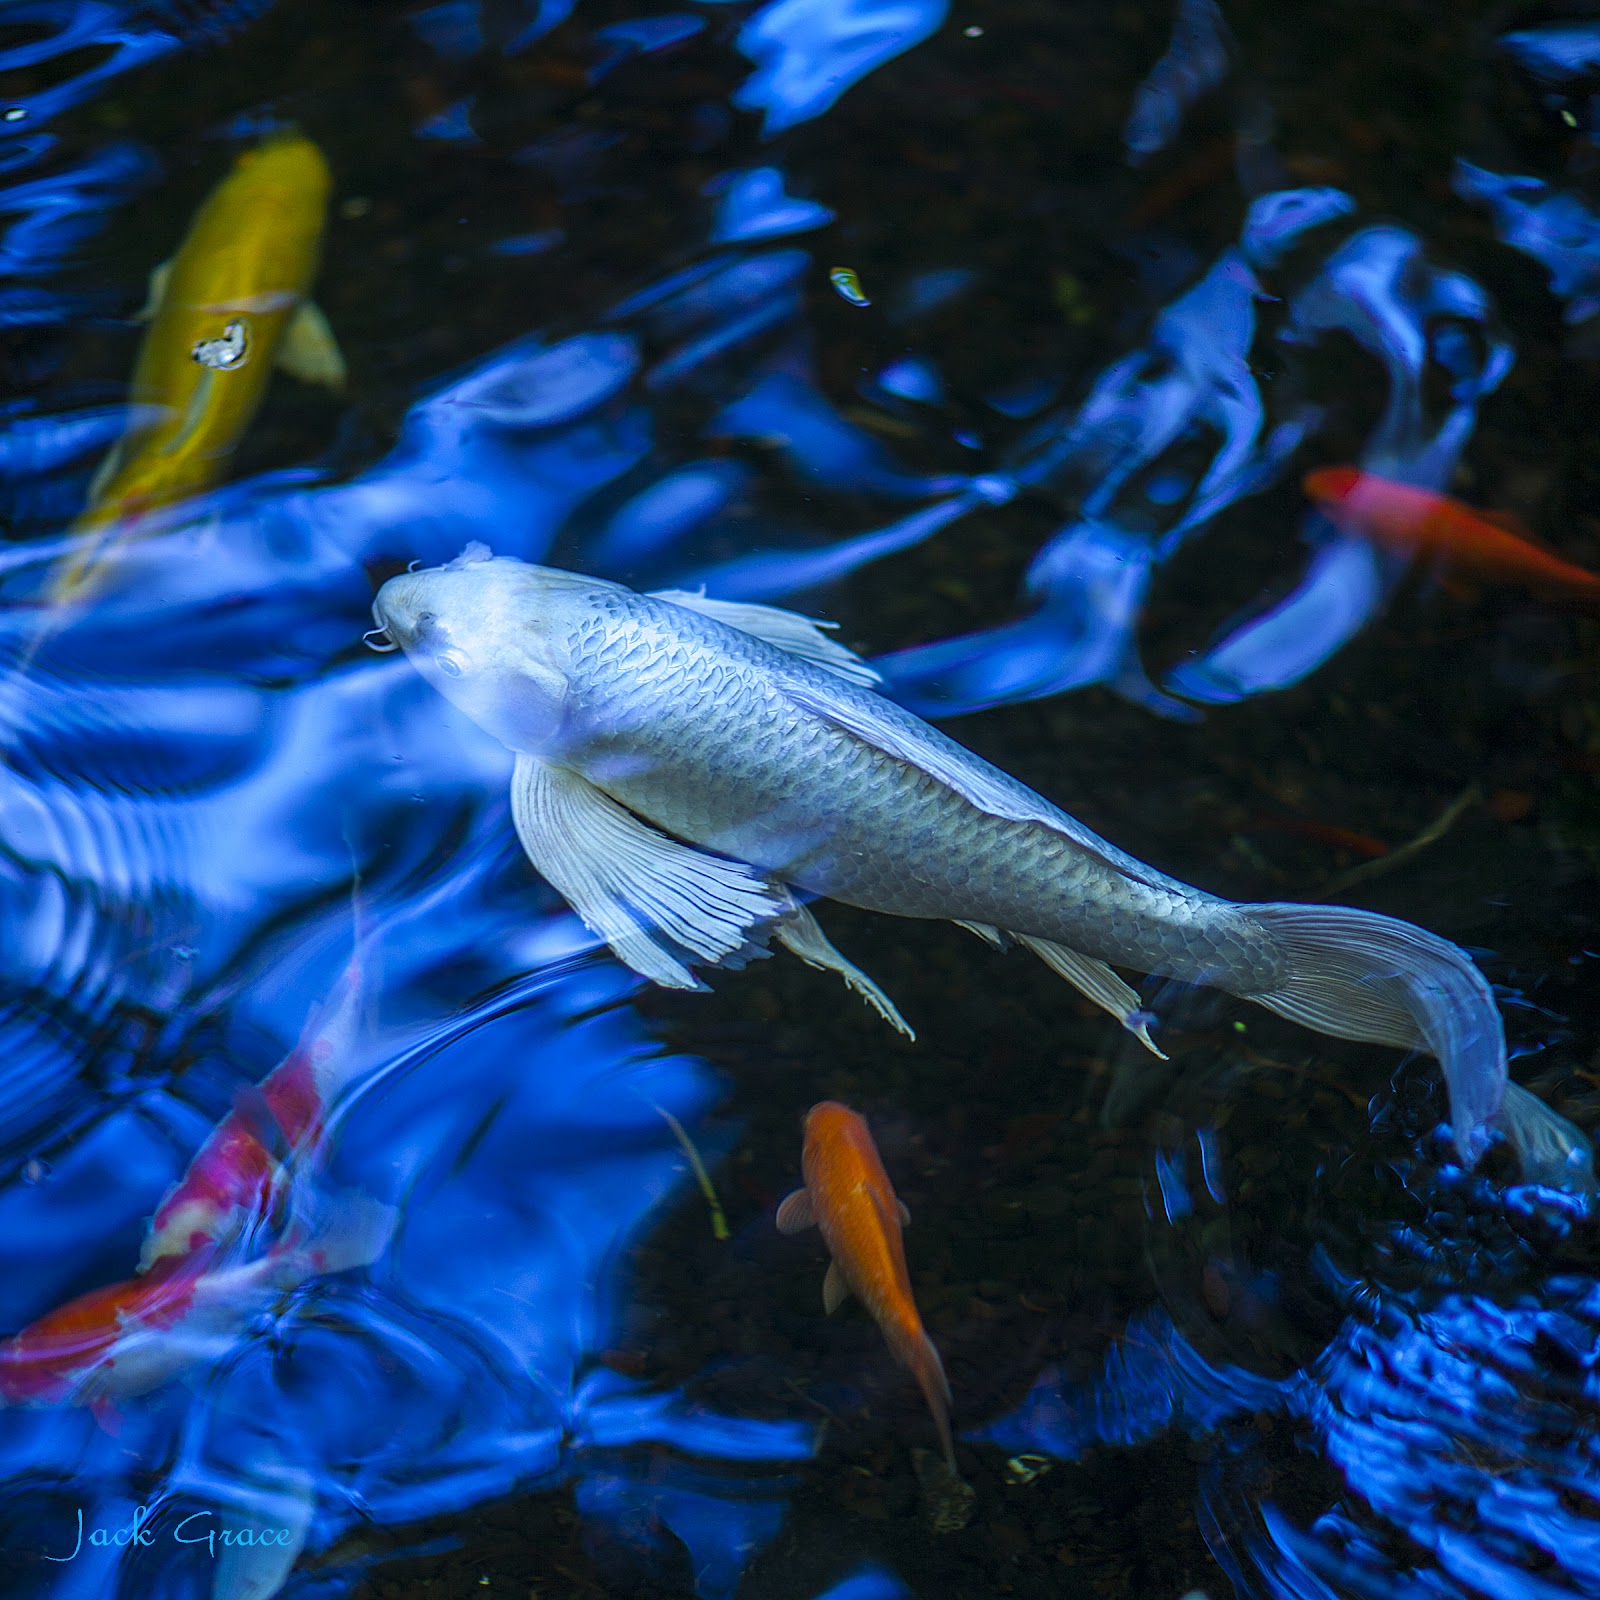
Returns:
(650, 898)
(797, 1213)
(835, 1291)
(800, 932)
(1097, 982)
(884, 726)
(784, 630)
(308, 350)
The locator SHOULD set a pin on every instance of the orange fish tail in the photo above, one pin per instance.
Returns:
(914, 1349)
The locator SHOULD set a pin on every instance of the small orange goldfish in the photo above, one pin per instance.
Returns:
(848, 1196)
(1409, 518)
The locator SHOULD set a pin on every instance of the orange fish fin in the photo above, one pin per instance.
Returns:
(835, 1291)
(796, 1214)
(921, 1356)
(1507, 522)
(903, 1213)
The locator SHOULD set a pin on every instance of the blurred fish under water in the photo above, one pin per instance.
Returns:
(223, 311)
(371, 1279)
(848, 1198)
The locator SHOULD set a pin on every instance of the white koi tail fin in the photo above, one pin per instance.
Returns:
(1359, 975)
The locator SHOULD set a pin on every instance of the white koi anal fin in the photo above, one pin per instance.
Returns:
(835, 1291)
(646, 895)
(797, 1213)
(309, 351)
(155, 292)
(1097, 982)
(800, 932)
(784, 630)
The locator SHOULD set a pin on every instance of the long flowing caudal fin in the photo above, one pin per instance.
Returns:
(1359, 975)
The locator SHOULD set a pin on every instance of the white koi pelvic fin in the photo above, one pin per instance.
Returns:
(309, 350)
(800, 932)
(1097, 982)
(992, 936)
(835, 1291)
(784, 630)
(646, 895)
(797, 1213)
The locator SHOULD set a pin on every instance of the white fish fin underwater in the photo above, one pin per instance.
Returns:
(109, 467)
(800, 932)
(1360, 975)
(309, 351)
(797, 1213)
(1097, 982)
(835, 1291)
(645, 894)
(985, 932)
(784, 630)
(885, 727)
(1553, 1152)
(155, 291)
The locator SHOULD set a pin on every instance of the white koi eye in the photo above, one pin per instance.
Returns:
(452, 663)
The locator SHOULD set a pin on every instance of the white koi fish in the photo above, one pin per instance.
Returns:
(689, 770)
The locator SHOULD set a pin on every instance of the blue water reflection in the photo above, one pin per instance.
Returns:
(208, 787)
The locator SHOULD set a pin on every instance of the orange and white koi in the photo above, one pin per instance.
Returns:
(236, 1181)
(1487, 544)
(130, 1337)
(201, 1275)
(849, 1198)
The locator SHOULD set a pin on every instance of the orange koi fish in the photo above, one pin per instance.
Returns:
(848, 1197)
(1405, 517)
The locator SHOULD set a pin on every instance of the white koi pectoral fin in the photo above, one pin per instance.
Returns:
(649, 897)
(835, 1291)
(309, 351)
(1097, 982)
(797, 1213)
(800, 932)
(784, 630)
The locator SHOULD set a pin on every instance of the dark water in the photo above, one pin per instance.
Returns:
(1235, 1321)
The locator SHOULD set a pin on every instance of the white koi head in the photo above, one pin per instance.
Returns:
(476, 629)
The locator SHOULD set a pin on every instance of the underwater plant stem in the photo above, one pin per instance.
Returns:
(1401, 854)
(719, 1223)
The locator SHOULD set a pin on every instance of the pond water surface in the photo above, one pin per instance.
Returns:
(1003, 335)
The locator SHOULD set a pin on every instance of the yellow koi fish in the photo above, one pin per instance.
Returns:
(227, 307)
